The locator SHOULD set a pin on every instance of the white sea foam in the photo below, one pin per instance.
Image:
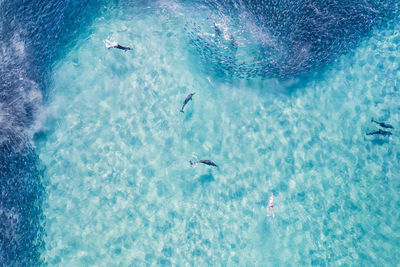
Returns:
(19, 46)
(22, 98)
(109, 44)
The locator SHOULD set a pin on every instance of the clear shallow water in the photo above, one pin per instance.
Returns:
(121, 191)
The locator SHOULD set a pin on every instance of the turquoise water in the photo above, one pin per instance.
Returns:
(121, 190)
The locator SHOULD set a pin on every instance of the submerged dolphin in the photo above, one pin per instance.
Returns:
(233, 41)
(217, 29)
(380, 132)
(188, 98)
(205, 161)
(382, 124)
(227, 36)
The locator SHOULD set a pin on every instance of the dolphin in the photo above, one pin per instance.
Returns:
(217, 29)
(380, 132)
(205, 161)
(233, 42)
(228, 37)
(188, 98)
(122, 47)
(382, 124)
(114, 44)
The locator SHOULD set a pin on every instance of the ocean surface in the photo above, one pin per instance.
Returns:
(94, 151)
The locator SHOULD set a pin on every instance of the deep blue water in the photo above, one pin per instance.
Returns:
(33, 34)
(289, 40)
(291, 37)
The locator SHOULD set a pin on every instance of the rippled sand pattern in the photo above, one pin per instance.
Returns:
(121, 189)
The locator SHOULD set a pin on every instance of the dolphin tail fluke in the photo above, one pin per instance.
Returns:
(193, 164)
(182, 111)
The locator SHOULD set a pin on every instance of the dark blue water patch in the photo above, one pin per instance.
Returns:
(287, 37)
(33, 35)
(46, 28)
(21, 197)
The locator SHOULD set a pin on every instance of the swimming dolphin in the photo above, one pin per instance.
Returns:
(114, 44)
(382, 124)
(122, 47)
(118, 46)
(271, 206)
(229, 37)
(217, 29)
(188, 98)
(205, 161)
(233, 42)
(380, 132)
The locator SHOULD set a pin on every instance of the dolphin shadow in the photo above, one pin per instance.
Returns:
(188, 114)
(379, 141)
(205, 178)
(198, 185)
